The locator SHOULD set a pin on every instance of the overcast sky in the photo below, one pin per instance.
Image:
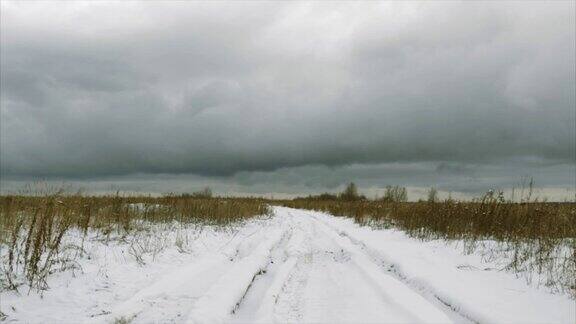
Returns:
(289, 97)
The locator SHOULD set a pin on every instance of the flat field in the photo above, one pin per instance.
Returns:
(187, 260)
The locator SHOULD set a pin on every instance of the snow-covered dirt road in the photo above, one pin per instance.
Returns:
(299, 267)
(304, 267)
(320, 276)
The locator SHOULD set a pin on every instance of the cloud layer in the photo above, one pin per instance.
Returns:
(104, 89)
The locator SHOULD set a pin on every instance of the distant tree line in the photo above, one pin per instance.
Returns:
(350, 193)
(204, 193)
(391, 194)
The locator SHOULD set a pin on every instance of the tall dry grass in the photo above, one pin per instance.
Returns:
(32, 228)
(533, 238)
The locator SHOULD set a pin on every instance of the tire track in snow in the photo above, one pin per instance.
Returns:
(261, 300)
(395, 294)
(456, 312)
(289, 303)
(180, 289)
(224, 296)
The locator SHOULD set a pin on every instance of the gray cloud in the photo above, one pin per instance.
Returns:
(232, 90)
(372, 179)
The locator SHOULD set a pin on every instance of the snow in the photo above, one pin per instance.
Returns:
(223, 296)
(470, 287)
(297, 266)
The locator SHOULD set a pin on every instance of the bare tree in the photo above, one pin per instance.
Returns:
(432, 195)
(351, 193)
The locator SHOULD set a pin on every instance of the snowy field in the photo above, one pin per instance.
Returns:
(294, 266)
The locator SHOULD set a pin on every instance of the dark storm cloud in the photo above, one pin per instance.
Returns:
(99, 89)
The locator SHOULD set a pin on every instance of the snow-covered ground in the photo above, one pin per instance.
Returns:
(296, 266)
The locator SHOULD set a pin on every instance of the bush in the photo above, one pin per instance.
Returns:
(395, 194)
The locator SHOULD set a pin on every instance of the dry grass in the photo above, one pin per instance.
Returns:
(532, 237)
(32, 228)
